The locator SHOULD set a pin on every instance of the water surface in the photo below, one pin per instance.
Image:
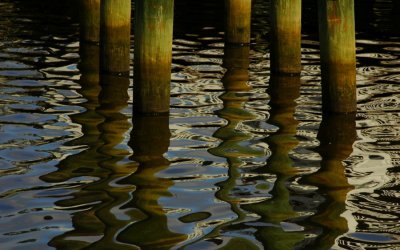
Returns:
(244, 161)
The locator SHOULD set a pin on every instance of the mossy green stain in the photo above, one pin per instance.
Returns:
(153, 28)
(286, 26)
(338, 61)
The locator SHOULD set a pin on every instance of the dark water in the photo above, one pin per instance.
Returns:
(245, 160)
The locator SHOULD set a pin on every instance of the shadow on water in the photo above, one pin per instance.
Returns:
(336, 134)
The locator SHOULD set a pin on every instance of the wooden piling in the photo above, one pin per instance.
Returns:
(153, 55)
(90, 20)
(115, 36)
(89, 68)
(338, 59)
(236, 62)
(114, 94)
(238, 21)
(286, 36)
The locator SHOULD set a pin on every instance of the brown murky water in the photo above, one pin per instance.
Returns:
(244, 161)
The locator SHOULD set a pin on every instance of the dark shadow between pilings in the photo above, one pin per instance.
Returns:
(336, 134)
(284, 90)
(396, 16)
(150, 139)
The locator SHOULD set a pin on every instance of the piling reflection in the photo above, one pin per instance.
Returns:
(272, 226)
(336, 134)
(150, 139)
(100, 217)
(113, 98)
(338, 56)
(235, 143)
(81, 163)
(97, 217)
(233, 146)
(85, 223)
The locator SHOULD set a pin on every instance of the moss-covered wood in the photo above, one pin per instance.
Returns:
(286, 36)
(238, 21)
(89, 15)
(153, 26)
(338, 55)
(115, 36)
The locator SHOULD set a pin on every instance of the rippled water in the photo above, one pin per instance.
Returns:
(244, 161)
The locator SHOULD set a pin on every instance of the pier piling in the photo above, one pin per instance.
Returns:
(286, 36)
(153, 55)
(90, 20)
(338, 58)
(115, 36)
(238, 21)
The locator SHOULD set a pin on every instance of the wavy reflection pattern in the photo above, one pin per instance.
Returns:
(38, 94)
(275, 226)
(103, 161)
(336, 134)
(234, 166)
